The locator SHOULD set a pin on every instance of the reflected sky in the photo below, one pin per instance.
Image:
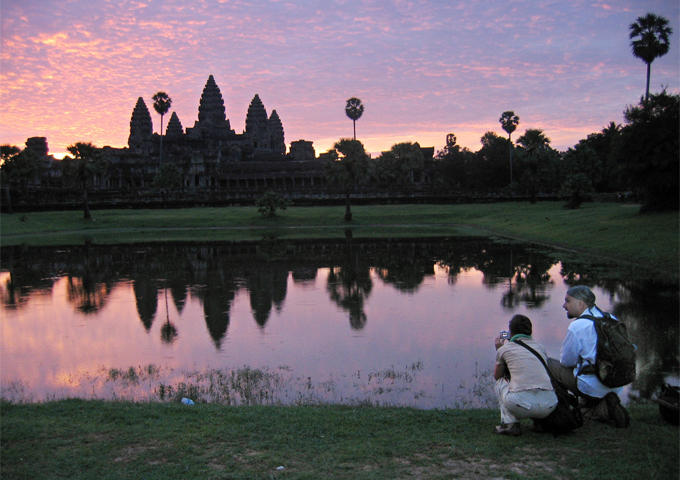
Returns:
(448, 326)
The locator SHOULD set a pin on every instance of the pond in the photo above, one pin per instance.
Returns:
(352, 321)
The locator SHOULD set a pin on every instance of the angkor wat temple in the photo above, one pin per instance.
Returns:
(216, 163)
(212, 135)
(211, 153)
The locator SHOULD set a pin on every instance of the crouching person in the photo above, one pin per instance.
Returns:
(575, 368)
(523, 385)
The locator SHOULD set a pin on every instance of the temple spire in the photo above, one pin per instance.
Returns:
(174, 129)
(141, 127)
(257, 124)
(276, 135)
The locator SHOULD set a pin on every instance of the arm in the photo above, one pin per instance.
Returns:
(500, 367)
(499, 371)
(571, 350)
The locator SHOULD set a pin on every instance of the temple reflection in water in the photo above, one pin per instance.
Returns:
(338, 305)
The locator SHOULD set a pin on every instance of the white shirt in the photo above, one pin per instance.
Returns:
(579, 349)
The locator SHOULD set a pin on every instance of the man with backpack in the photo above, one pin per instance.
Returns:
(597, 358)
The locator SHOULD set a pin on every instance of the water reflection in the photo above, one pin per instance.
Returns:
(435, 301)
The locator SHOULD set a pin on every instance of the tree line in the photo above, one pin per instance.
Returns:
(639, 157)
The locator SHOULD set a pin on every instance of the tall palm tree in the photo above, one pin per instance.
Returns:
(649, 35)
(161, 103)
(348, 167)
(354, 109)
(509, 122)
(535, 150)
(86, 163)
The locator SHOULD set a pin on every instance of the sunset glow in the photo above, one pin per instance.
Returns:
(73, 70)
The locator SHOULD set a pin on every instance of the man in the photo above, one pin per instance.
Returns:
(523, 386)
(579, 352)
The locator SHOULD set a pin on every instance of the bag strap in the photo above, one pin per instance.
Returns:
(553, 380)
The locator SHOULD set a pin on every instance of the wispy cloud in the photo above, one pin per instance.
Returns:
(73, 69)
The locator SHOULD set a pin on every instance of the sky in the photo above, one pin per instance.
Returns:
(72, 70)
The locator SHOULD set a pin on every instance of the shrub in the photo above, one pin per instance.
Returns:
(270, 202)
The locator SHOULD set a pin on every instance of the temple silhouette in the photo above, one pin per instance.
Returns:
(216, 164)
(212, 135)
(211, 153)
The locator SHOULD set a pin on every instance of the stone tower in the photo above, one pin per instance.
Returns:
(277, 139)
(141, 127)
(257, 125)
(212, 117)
(175, 129)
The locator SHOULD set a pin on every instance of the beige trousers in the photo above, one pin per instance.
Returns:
(525, 404)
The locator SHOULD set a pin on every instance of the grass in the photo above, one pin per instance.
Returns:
(83, 439)
(608, 229)
(80, 439)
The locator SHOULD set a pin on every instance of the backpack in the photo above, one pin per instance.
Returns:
(615, 362)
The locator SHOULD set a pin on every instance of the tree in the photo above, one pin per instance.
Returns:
(397, 165)
(576, 188)
(7, 154)
(647, 151)
(580, 166)
(268, 204)
(347, 167)
(536, 153)
(79, 170)
(19, 167)
(161, 103)
(509, 121)
(453, 163)
(490, 169)
(354, 109)
(649, 35)
(602, 143)
(168, 177)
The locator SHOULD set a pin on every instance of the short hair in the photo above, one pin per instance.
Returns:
(583, 293)
(519, 324)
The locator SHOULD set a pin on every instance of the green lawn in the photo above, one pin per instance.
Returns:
(604, 229)
(79, 439)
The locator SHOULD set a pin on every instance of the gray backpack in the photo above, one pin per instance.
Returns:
(615, 362)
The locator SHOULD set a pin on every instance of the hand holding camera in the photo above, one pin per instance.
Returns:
(500, 340)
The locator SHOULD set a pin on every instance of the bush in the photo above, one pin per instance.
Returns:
(270, 202)
(576, 189)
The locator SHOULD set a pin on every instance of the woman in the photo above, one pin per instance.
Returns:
(523, 385)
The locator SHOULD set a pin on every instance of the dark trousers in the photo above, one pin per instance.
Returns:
(565, 375)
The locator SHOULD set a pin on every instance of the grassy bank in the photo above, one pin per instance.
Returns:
(609, 229)
(109, 440)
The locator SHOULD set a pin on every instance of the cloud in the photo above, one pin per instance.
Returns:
(72, 70)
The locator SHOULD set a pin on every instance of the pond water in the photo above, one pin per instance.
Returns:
(387, 322)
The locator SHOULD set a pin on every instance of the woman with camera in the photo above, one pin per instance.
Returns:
(523, 385)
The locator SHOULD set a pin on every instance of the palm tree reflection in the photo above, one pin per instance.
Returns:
(349, 286)
(168, 330)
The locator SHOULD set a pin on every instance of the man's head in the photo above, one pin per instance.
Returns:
(578, 299)
(520, 324)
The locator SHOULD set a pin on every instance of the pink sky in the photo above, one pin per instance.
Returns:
(72, 70)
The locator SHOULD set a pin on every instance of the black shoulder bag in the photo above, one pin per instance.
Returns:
(567, 416)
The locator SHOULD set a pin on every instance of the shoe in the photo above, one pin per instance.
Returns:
(617, 412)
(538, 426)
(510, 429)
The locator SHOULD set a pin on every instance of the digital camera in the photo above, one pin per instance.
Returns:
(505, 335)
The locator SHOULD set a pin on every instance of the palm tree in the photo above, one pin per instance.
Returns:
(354, 109)
(536, 150)
(86, 163)
(161, 103)
(349, 170)
(649, 35)
(509, 121)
